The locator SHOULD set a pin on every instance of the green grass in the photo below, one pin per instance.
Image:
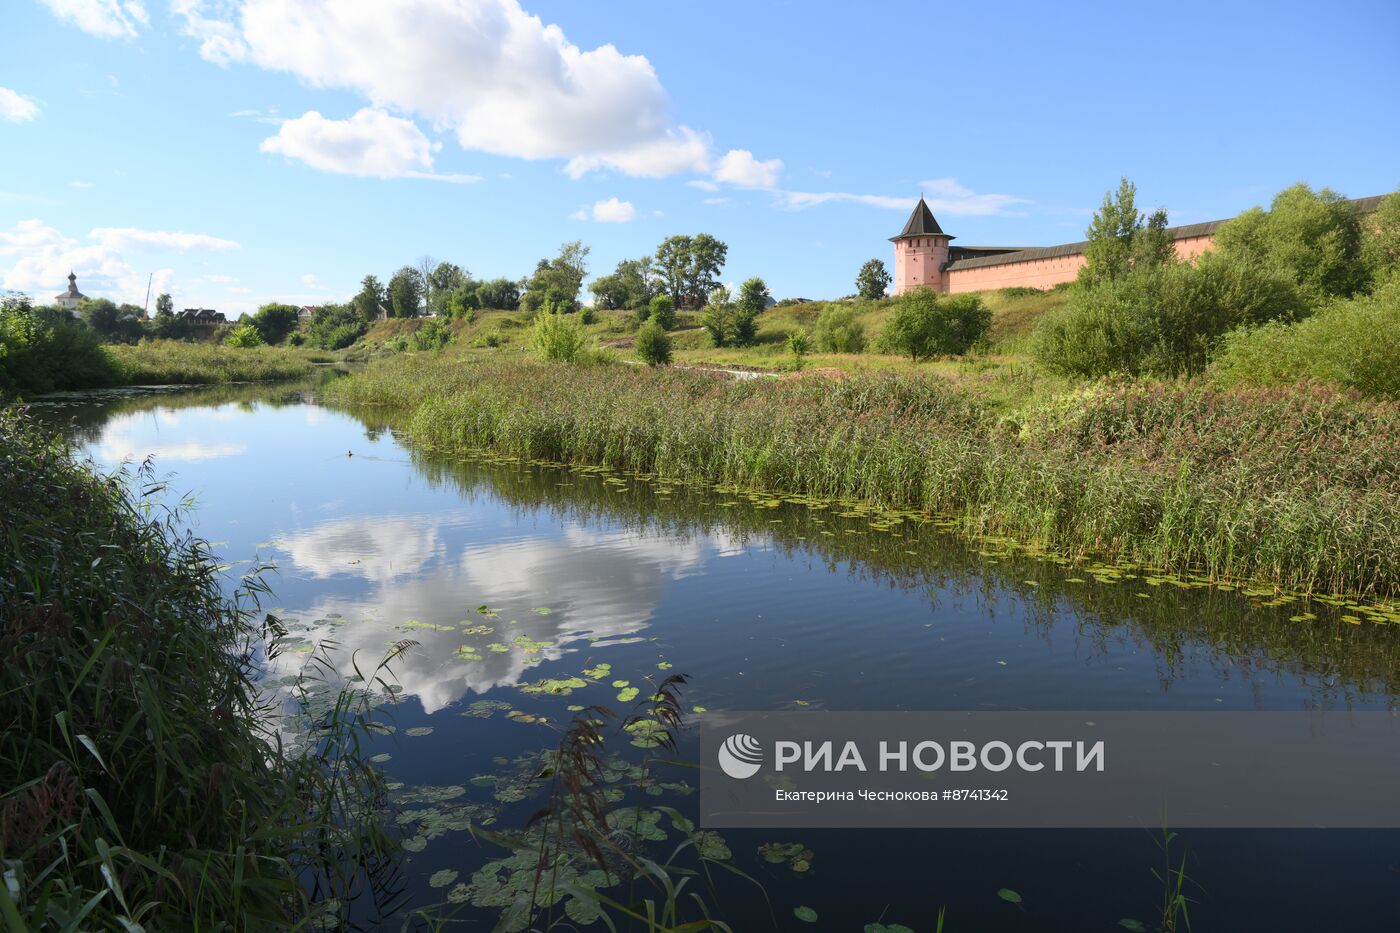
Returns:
(141, 785)
(173, 362)
(1296, 487)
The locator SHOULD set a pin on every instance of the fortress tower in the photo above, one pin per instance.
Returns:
(920, 253)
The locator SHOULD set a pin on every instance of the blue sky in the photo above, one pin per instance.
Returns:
(245, 151)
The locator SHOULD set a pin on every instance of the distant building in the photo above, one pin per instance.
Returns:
(204, 316)
(305, 313)
(70, 299)
(924, 256)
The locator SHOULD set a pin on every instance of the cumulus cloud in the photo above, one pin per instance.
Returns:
(613, 211)
(311, 281)
(498, 78)
(944, 196)
(15, 107)
(372, 143)
(36, 258)
(739, 167)
(106, 19)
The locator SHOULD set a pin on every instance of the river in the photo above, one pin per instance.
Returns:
(508, 574)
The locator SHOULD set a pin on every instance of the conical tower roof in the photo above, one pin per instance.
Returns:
(921, 223)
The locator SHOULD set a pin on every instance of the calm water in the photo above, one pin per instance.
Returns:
(765, 605)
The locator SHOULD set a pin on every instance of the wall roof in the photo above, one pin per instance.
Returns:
(921, 223)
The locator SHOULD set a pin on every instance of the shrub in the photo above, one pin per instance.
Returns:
(1380, 244)
(838, 330)
(926, 324)
(1353, 342)
(555, 336)
(663, 311)
(1312, 239)
(587, 315)
(653, 344)
(274, 322)
(798, 345)
(432, 335)
(43, 350)
(244, 335)
(718, 318)
(1162, 320)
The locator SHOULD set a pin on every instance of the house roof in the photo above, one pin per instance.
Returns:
(1360, 205)
(921, 223)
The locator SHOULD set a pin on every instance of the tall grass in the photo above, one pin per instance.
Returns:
(174, 362)
(1298, 487)
(140, 784)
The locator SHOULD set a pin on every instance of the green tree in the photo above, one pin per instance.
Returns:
(501, 294)
(406, 292)
(1120, 237)
(444, 282)
(1312, 238)
(556, 282)
(872, 280)
(372, 296)
(753, 298)
(718, 319)
(688, 267)
(165, 304)
(926, 324)
(653, 344)
(662, 310)
(609, 292)
(839, 330)
(274, 322)
(1380, 245)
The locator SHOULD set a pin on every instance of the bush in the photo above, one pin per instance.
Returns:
(557, 336)
(926, 324)
(718, 318)
(1163, 321)
(244, 336)
(274, 322)
(653, 344)
(45, 350)
(1354, 343)
(798, 345)
(663, 311)
(1312, 239)
(431, 335)
(587, 315)
(838, 330)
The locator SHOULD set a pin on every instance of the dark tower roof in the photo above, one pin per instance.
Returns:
(921, 223)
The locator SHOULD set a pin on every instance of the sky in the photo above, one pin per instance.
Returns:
(238, 152)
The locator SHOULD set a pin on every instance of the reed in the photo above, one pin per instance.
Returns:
(1298, 486)
(141, 784)
(174, 362)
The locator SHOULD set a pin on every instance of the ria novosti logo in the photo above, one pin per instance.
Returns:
(740, 756)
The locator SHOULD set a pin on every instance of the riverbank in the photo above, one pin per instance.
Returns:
(1298, 487)
(140, 782)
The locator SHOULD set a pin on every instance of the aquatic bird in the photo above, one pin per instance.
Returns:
(349, 453)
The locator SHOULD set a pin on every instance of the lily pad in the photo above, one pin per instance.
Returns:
(805, 914)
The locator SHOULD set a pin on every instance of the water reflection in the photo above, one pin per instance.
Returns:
(485, 615)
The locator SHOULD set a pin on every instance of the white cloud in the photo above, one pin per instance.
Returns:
(372, 143)
(310, 281)
(703, 184)
(613, 211)
(500, 79)
(15, 107)
(79, 184)
(36, 258)
(718, 201)
(944, 196)
(220, 279)
(739, 167)
(106, 19)
(133, 238)
(580, 214)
